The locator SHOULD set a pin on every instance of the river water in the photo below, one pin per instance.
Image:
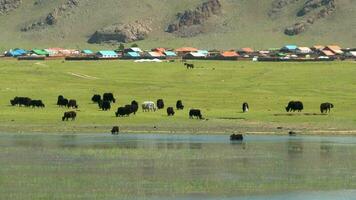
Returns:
(177, 167)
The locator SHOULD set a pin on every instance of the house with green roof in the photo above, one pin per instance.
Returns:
(39, 52)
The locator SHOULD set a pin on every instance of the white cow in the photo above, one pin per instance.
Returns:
(148, 106)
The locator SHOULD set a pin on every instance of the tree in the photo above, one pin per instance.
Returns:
(121, 47)
(134, 45)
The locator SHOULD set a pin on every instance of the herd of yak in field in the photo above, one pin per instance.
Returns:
(104, 103)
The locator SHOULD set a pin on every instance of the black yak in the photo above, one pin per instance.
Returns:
(104, 105)
(326, 107)
(115, 130)
(96, 98)
(69, 115)
(294, 106)
(160, 104)
(245, 107)
(72, 104)
(195, 113)
(170, 111)
(179, 105)
(236, 137)
(109, 97)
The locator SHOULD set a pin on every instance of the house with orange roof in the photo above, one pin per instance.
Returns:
(154, 54)
(185, 50)
(327, 53)
(317, 47)
(334, 48)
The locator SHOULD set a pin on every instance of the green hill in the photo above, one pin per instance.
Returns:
(253, 23)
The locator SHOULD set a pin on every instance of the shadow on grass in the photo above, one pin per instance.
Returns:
(231, 118)
(300, 114)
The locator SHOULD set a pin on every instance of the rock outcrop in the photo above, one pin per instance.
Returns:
(121, 33)
(312, 11)
(311, 5)
(189, 22)
(279, 5)
(53, 17)
(9, 5)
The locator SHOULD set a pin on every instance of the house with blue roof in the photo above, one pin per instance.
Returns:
(132, 55)
(204, 52)
(16, 52)
(87, 52)
(289, 48)
(107, 55)
(170, 54)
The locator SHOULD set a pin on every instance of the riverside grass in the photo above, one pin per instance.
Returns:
(218, 88)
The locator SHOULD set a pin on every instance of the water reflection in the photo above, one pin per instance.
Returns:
(165, 165)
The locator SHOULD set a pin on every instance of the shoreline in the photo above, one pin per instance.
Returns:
(105, 129)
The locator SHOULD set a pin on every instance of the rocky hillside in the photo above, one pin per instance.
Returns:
(8, 5)
(202, 23)
(191, 22)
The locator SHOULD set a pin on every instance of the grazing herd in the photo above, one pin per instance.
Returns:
(104, 104)
(27, 102)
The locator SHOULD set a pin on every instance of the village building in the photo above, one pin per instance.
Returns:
(87, 52)
(304, 50)
(289, 49)
(39, 52)
(107, 54)
(335, 49)
(170, 54)
(327, 53)
(15, 52)
(228, 55)
(132, 55)
(185, 50)
(194, 55)
(246, 52)
(154, 54)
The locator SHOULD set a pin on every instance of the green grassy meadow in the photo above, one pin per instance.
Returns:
(217, 88)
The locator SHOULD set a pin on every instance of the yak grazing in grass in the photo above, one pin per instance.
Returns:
(179, 105)
(160, 104)
(195, 113)
(96, 98)
(109, 97)
(104, 105)
(170, 111)
(294, 106)
(69, 115)
(72, 104)
(326, 107)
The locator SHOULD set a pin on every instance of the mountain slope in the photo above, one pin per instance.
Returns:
(254, 23)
